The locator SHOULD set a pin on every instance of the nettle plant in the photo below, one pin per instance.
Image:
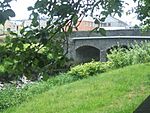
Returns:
(138, 53)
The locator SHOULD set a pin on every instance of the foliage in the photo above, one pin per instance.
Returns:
(26, 55)
(138, 53)
(12, 96)
(5, 11)
(119, 57)
(118, 91)
(45, 46)
(143, 13)
(89, 69)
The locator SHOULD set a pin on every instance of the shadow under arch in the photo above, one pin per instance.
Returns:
(87, 54)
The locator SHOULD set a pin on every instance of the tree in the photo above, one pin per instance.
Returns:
(39, 51)
(143, 11)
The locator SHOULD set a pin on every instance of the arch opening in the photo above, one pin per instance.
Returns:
(87, 54)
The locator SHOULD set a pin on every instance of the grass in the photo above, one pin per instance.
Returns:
(118, 91)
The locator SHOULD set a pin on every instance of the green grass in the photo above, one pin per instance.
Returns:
(118, 91)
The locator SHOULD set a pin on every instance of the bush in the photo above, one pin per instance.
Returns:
(89, 69)
(27, 55)
(139, 53)
(119, 57)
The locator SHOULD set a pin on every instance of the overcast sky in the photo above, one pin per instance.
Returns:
(20, 8)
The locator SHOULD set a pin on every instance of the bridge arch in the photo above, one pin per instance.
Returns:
(101, 45)
(87, 53)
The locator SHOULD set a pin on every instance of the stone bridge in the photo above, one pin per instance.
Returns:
(84, 49)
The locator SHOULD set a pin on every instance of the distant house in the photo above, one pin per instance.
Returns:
(1, 29)
(8, 25)
(28, 22)
(87, 24)
(110, 23)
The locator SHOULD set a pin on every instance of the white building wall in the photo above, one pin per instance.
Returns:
(111, 22)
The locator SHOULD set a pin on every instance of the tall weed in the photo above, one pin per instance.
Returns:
(138, 53)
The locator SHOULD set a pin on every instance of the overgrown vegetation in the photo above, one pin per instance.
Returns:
(62, 17)
(89, 69)
(119, 57)
(138, 53)
(11, 96)
(117, 91)
(36, 51)
(22, 58)
(30, 61)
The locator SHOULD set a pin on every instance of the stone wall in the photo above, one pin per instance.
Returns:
(123, 32)
(84, 49)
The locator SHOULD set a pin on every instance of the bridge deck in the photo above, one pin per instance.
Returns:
(111, 37)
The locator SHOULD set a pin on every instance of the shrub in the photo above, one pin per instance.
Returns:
(139, 53)
(89, 69)
(21, 56)
(119, 57)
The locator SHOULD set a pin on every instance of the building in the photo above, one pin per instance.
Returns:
(8, 25)
(87, 24)
(42, 23)
(110, 23)
(1, 29)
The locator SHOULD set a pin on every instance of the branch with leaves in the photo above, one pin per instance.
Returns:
(5, 11)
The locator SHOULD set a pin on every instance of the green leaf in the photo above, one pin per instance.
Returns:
(70, 29)
(20, 45)
(3, 17)
(23, 30)
(104, 13)
(102, 19)
(102, 31)
(35, 23)
(30, 8)
(97, 21)
(7, 1)
(10, 12)
(119, 14)
(13, 33)
(75, 19)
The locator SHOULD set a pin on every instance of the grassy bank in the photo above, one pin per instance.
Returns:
(118, 91)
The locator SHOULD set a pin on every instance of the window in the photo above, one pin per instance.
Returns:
(109, 24)
(104, 24)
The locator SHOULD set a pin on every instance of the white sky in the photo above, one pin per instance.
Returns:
(132, 18)
(20, 8)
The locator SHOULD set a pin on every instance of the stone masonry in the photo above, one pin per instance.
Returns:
(84, 49)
